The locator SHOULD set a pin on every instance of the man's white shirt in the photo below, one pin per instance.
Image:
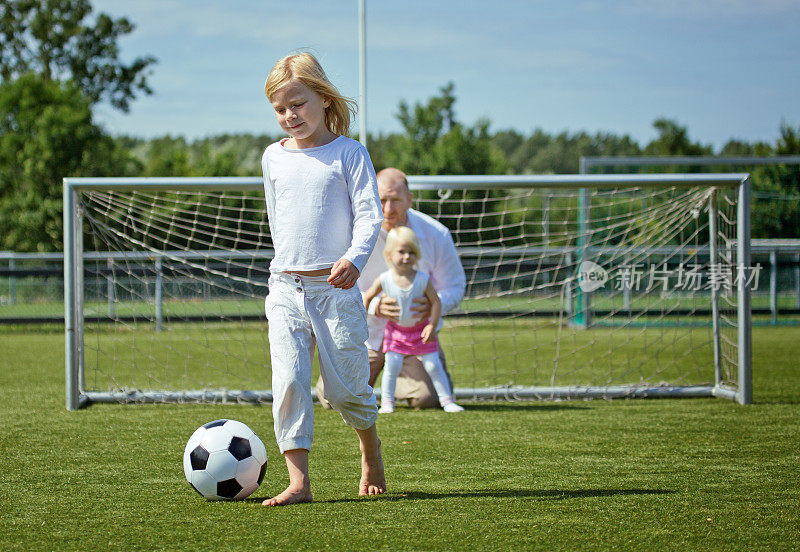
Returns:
(439, 259)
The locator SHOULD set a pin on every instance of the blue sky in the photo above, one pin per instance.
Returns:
(723, 68)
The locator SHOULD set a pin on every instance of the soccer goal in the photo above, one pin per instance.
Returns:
(578, 286)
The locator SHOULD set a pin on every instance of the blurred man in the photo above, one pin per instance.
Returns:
(439, 259)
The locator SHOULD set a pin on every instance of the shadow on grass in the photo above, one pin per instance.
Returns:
(537, 494)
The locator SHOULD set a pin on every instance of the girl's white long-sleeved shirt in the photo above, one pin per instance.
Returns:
(322, 203)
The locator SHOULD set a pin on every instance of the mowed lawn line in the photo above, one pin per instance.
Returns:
(676, 474)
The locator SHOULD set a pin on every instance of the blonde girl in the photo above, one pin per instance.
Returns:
(324, 217)
(403, 283)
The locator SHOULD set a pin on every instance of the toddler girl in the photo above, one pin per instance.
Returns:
(403, 283)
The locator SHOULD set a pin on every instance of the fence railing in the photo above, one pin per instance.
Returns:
(32, 287)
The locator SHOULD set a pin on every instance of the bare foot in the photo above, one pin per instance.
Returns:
(290, 496)
(373, 480)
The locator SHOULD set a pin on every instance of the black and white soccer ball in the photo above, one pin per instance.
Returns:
(224, 460)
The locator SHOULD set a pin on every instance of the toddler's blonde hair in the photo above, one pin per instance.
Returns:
(398, 235)
(305, 68)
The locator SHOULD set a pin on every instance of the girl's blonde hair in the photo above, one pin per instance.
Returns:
(305, 68)
(398, 235)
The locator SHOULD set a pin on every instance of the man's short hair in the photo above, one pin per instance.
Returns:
(391, 172)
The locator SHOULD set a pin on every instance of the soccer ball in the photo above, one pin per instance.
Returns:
(224, 460)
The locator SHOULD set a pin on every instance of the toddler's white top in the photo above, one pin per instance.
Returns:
(405, 296)
(322, 203)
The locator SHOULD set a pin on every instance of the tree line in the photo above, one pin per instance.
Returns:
(58, 61)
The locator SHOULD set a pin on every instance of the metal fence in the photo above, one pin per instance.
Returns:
(32, 284)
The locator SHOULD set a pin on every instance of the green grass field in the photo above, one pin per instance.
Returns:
(481, 353)
(691, 474)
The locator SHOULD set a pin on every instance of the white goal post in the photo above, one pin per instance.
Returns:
(578, 286)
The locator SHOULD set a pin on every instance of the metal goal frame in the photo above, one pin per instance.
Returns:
(77, 396)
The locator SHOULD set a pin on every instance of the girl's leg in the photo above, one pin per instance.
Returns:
(393, 363)
(293, 412)
(340, 327)
(433, 366)
(339, 323)
(290, 341)
(373, 481)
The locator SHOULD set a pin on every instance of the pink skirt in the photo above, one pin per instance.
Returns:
(407, 340)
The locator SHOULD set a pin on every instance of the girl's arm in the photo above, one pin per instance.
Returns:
(373, 291)
(429, 332)
(365, 205)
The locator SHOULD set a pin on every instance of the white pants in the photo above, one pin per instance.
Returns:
(300, 309)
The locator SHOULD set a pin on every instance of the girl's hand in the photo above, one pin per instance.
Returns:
(428, 333)
(343, 274)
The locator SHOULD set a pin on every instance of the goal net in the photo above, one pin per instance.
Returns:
(577, 286)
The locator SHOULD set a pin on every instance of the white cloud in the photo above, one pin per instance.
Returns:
(415, 36)
(710, 8)
(250, 22)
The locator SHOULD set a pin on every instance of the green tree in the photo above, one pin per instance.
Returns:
(673, 140)
(776, 188)
(521, 158)
(46, 134)
(435, 143)
(543, 153)
(561, 155)
(229, 155)
(167, 156)
(58, 40)
(507, 142)
(789, 141)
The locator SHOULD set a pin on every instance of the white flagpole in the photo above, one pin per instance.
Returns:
(362, 72)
